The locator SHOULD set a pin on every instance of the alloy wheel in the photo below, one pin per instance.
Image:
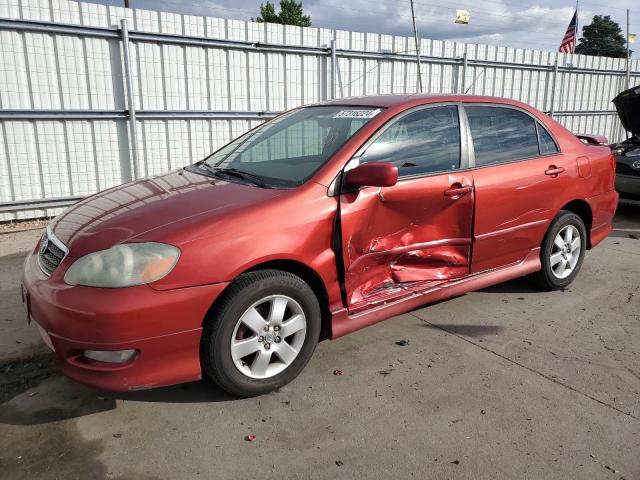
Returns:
(565, 252)
(268, 336)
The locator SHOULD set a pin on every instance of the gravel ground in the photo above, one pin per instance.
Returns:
(507, 382)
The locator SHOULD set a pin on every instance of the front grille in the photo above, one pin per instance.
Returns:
(624, 169)
(51, 252)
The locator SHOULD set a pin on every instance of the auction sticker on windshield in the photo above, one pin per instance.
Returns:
(357, 113)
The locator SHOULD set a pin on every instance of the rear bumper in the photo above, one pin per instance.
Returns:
(603, 208)
(163, 326)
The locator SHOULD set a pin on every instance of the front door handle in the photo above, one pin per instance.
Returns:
(457, 190)
(554, 171)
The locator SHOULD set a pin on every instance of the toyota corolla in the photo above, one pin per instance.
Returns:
(315, 224)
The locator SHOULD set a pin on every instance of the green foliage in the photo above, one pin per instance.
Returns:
(603, 38)
(290, 14)
(268, 14)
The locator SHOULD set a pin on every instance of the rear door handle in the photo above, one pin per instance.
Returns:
(457, 190)
(554, 171)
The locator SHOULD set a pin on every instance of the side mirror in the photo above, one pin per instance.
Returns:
(374, 174)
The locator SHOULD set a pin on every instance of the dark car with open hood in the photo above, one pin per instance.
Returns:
(324, 220)
(627, 152)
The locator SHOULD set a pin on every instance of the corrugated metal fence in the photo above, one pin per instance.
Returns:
(68, 71)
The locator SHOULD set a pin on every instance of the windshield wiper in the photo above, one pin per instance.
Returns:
(234, 172)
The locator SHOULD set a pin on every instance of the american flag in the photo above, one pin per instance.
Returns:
(568, 44)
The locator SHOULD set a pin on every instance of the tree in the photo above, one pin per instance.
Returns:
(290, 14)
(603, 38)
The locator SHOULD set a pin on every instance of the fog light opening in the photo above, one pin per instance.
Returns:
(110, 356)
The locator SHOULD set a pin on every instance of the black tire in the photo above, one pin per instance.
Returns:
(220, 325)
(546, 278)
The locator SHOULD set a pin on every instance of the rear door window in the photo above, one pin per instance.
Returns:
(421, 142)
(501, 134)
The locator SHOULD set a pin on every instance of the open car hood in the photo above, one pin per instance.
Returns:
(628, 106)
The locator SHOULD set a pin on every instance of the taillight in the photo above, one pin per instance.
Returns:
(612, 181)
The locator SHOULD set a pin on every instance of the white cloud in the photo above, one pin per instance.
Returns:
(516, 23)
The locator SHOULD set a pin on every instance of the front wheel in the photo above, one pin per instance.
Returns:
(261, 334)
(562, 251)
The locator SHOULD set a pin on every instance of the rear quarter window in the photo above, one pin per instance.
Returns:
(547, 144)
(501, 134)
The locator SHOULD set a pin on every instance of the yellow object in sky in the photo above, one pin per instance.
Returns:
(462, 17)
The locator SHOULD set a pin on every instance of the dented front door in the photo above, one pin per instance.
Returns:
(409, 237)
(411, 234)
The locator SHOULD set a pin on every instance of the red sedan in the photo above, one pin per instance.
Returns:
(322, 221)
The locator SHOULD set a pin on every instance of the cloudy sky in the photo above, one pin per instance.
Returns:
(518, 23)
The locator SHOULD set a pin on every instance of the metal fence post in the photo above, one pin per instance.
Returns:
(334, 64)
(133, 137)
(551, 108)
(628, 76)
(339, 79)
(464, 72)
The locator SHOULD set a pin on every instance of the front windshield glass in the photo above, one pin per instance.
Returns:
(289, 149)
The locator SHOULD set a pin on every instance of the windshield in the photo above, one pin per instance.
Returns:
(289, 149)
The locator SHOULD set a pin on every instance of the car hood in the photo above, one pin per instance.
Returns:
(122, 213)
(628, 106)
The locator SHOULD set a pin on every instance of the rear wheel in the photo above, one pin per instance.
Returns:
(562, 251)
(262, 333)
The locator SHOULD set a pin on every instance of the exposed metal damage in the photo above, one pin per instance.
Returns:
(393, 249)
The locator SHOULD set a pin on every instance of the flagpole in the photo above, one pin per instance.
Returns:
(575, 38)
(628, 71)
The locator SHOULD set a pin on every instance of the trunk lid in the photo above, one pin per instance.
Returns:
(628, 106)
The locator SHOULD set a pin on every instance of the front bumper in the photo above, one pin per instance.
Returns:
(163, 326)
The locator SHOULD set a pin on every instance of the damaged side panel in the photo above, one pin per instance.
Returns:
(405, 238)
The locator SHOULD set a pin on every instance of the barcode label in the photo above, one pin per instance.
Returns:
(357, 113)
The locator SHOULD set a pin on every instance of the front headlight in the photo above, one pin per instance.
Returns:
(123, 265)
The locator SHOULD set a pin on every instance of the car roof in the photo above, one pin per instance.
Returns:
(410, 100)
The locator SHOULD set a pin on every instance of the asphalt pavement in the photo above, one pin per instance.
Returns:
(508, 382)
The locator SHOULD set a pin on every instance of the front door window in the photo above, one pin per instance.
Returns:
(424, 141)
(405, 238)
